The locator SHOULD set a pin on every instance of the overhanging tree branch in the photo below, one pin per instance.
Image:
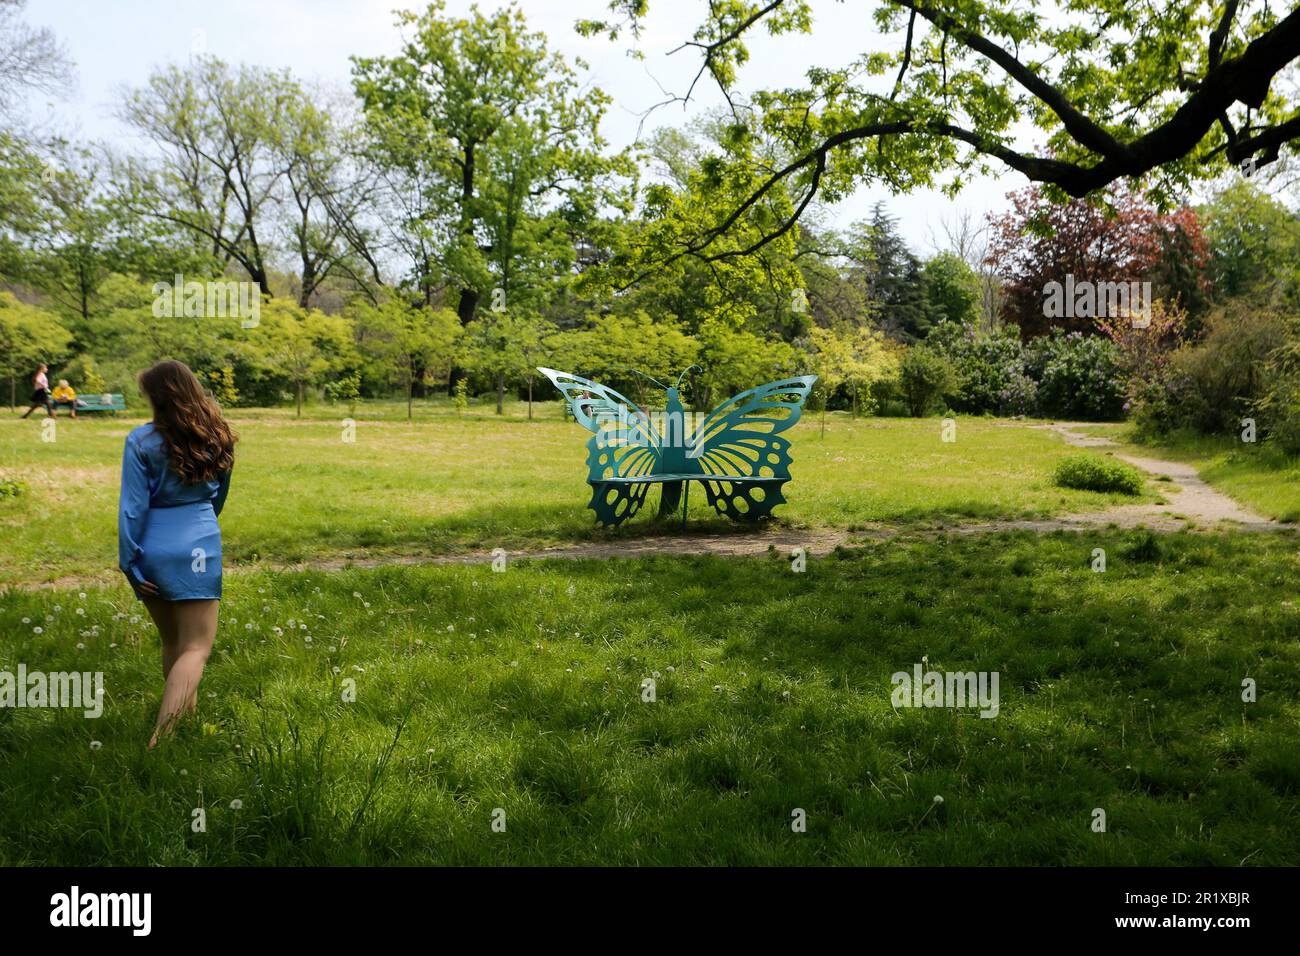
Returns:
(1244, 79)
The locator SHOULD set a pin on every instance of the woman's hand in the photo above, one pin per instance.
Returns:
(142, 587)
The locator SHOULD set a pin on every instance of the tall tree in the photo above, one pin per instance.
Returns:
(218, 169)
(892, 274)
(21, 173)
(1254, 245)
(31, 60)
(952, 289)
(967, 234)
(1120, 240)
(323, 194)
(491, 147)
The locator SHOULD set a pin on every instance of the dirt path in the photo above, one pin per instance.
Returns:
(1190, 498)
(1191, 502)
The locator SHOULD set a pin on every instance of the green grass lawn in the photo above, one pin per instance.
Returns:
(449, 483)
(521, 690)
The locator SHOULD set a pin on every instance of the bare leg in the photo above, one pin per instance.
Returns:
(164, 618)
(196, 629)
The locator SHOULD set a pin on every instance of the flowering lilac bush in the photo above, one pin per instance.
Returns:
(1058, 375)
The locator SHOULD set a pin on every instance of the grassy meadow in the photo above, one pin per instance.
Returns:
(448, 483)
(391, 715)
(522, 691)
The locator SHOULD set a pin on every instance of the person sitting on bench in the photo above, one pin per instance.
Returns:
(65, 394)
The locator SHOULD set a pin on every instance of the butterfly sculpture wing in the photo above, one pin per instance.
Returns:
(625, 445)
(741, 439)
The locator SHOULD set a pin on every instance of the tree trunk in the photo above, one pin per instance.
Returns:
(467, 305)
(308, 284)
(530, 398)
(308, 265)
(410, 396)
(501, 394)
(300, 388)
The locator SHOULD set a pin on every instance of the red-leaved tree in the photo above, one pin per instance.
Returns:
(1039, 242)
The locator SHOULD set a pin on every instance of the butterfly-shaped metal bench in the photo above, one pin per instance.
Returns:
(736, 452)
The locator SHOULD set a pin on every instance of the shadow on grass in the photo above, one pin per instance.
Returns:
(525, 692)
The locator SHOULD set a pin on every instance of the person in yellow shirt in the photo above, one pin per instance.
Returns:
(64, 394)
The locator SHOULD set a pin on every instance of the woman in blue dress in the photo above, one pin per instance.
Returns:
(175, 475)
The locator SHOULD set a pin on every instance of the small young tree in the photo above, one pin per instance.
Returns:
(505, 347)
(300, 345)
(407, 343)
(829, 355)
(851, 358)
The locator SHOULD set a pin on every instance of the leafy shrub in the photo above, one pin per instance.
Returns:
(1019, 396)
(347, 389)
(924, 376)
(1278, 410)
(1145, 548)
(1095, 473)
(1078, 376)
(1218, 381)
(84, 375)
(989, 367)
(1062, 375)
(11, 488)
(222, 384)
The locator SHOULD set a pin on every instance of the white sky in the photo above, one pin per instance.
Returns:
(116, 43)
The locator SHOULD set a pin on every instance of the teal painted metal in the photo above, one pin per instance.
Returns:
(736, 452)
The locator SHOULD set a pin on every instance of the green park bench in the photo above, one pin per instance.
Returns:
(736, 452)
(111, 402)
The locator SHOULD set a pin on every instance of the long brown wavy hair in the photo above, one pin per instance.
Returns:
(200, 445)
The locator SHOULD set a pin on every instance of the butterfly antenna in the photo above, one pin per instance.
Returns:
(685, 370)
(648, 378)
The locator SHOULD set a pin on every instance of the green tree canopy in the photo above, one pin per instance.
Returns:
(300, 346)
(495, 153)
(942, 90)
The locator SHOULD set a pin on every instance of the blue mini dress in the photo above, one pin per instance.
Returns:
(167, 531)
